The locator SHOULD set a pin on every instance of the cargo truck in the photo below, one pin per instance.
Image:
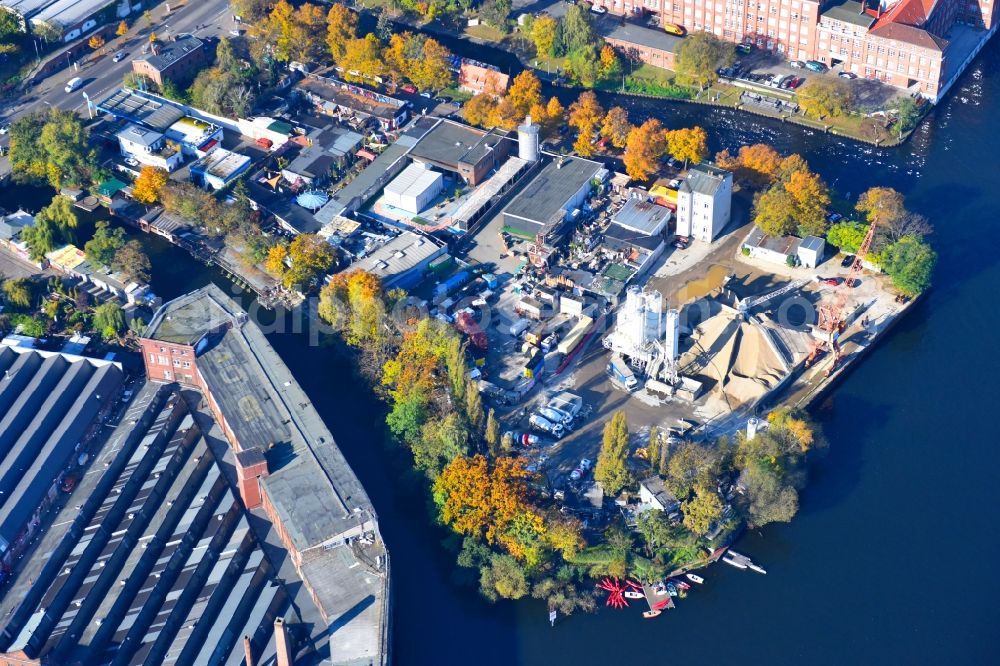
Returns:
(622, 375)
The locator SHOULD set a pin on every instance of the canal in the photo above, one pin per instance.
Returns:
(890, 559)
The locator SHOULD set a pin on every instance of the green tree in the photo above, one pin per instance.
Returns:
(544, 32)
(504, 578)
(41, 238)
(656, 533)
(769, 499)
(847, 236)
(473, 406)
(692, 465)
(9, 24)
(577, 30)
(104, 243)
(823, 96)
(907, 114)
(495, 13)
(19, 293)
(611, 469)
(407, 416)
(50, 146)
(131, 261)
(910, 263)
(492, 436)
(702, 510)
(109, 319)
(440, 442)
(583, 65)
(699, 56)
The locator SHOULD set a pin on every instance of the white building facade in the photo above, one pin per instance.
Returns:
(704, 202)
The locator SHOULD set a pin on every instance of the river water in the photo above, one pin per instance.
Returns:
(891, 557)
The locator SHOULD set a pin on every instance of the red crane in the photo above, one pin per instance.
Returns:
(831, 315)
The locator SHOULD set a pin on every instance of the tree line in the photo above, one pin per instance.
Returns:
(792, 200)
(506, 541)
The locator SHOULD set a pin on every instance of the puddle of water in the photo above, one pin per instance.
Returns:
(696, 289)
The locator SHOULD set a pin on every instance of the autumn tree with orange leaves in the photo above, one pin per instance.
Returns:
(585, 116)
(645, 146)
(489, 502)
(616, 127)
(753, 166)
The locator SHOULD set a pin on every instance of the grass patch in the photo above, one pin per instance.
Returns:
(485, 32)
(458, 95)
(593, 555)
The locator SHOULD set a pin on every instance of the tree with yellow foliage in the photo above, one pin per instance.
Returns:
(645, 146)
(364, 56)
(275, 262)
(149, 184)
(479, 109)
(544, 33)
(311, 256)
(489, 502)
(341, 27)
(688, 145)
(95, 42)
(585, 115)
(432, 70)
(525, 91)
(122, 29)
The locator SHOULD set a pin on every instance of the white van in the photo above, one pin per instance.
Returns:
(73, 84)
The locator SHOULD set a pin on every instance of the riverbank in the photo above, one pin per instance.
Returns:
(721, 95)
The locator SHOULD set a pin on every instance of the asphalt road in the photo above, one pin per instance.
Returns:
(103, 75)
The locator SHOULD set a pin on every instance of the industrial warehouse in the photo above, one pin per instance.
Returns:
(204, 516)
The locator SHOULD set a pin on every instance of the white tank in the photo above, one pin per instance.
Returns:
(753, 424)
(527, 141)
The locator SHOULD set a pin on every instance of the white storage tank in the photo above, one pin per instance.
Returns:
(527, 141)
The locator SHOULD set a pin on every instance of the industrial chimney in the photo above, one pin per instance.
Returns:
(527, 141)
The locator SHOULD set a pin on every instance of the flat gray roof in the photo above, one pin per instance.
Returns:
(449, 144)
(849, 11)
(541, 201)
(310, 483)
(612, 27)
(401, 254)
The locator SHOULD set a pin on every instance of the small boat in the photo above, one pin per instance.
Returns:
(650, 614)
(756, 567)
(731, 561)
(681, 585)
(632, 594)
(695, 578)
(671, 589)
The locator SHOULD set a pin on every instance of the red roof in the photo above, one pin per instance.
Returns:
(907, 33)
(908, 12)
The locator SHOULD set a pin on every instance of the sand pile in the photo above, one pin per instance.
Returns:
(735, 357)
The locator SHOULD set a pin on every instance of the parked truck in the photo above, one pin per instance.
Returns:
(543, 424)
(622, 375)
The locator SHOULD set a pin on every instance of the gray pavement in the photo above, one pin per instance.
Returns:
(102, 75)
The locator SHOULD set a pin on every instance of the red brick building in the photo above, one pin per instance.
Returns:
(904, 43)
